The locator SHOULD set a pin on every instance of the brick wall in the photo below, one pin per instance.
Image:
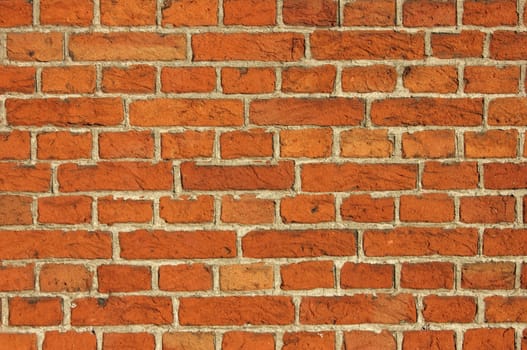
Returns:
(263, 174)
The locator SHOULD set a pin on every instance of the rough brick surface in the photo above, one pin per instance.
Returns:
(263, 174)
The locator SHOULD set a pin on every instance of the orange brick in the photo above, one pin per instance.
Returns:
(132, 341)
(45, 311)
(361, 143)
(15, 210)
(305, 340)
(248, 341)
(457, 175)
(188, 79)
(189, 277)
(17, 277)
(41, 47)
(364, 208)
(17, 79)
(244, 144)
(369, 13)
(490, 13)
(433, 275)
(190, 13)
(440, 79)
(123, 278)
(449, 309)
(16, 13)
(361, 275)
(492, 276)
(65, 278)
(187, 144)
(357, 340)
(249, 12)
(73, 80)
(491, 144)
(487, 209)
(310, 79)
(128, 13)
(132, 79)
(369, 79)
(71, 339)
(64, 12)
(247, 209)
(467, 43)
(113, 210)
(247, 80)
(429, 13)
(307, 275)
(64, 145)
(131, 144)
(14, 145)
(309, 143)
(64, 210)
(187, 210)
(246, 277)
(308, 209)
(429, 144)
(313, 12)
(188, 340)
(427, 208)
(492, 80)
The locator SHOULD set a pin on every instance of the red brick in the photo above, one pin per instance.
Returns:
(236, 311)
(120, 310)
(188, 79)
(413, 241)
(427, 208)
(114, 210)
(54, 244)
(190, 13)
(505, 175)
(246, 277)
(34, 178)
(18, 341)
(35, 311)
(15, 210)
(128, 341)
(248, 341)
(379, 13)
(444, 340)
(491, 144)
(495, 338)
(309, 143)
(358, 177)
(281, 47)
(487, 209)
(508, 111)
(362, 275)
(427, 111)
(128, 13)
(129, 144)
(492, 80)
(125, 176)
(369, 79)
(349, 45)
(64, 145)
(247, 80)
(362, 340)
(68, 80)
(364, 143)
(243, 144)
(72, 340)
(69, 112)
(440, 79)
(309, 340)
(364, 208)
(449, 309)
(15, 145)
(492, 275)
(64, 12)
(16, 13)
(307, 275)
(307, 209)
(17, 277)
(506, 45)
(65, 278)
(186, 209)
(123, 278)
(64, 210)
(144, 244)
(188, 340)
(187, 144)
(17, 79)
(307, 111)
(505, 309)
(490, 13)
(505, 242)
(309, 79)
(242, 177)
(186, 112)
(131, 79)
(359, 308)
(429, 144)
(249, 12)
(247, 209)
(433, 275)
(40, 47)
(310, 12)
(129, 46)
(187, 277)
(450, 176)
(429, 13)
(300, 243)
(467, 43)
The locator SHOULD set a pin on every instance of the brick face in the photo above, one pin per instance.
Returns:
(263, 174)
